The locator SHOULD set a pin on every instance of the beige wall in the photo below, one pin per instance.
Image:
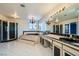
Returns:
(22, 24)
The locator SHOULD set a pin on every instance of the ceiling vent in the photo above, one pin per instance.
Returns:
(22, 5)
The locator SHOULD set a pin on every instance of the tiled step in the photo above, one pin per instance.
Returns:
(28, 41)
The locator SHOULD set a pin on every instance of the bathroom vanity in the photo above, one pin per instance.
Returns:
(61, 47)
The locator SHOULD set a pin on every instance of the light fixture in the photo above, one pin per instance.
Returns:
(15, 15)
(56, 20)
(63, 9)
(48, 22)
(31, 19)
(60, 10)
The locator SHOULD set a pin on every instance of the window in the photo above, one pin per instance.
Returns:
(42, 26)
(66, 28)
(32, 27)
(73, 28)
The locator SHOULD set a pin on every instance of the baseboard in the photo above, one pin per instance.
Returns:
(8, 40)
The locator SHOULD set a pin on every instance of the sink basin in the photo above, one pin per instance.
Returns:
(68, 39)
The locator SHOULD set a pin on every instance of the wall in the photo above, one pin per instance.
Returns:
(67, 22)
(49, 27)
(22, 24)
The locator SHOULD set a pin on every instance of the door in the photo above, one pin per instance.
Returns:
(16, 30)
(5, 31)
(0, 30)
(53, 28)
(61, 29)
(12, 30)
(57, 29)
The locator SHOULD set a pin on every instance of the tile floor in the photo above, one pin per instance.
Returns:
(21, 48)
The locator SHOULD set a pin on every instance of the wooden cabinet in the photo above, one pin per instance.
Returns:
(70, 50)
(66, 54)
(57, 49)
(61, 48)
(41, 40)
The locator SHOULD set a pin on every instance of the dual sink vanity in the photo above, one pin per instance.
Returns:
(61, 45)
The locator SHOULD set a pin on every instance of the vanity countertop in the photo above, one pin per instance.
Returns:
(64, 42)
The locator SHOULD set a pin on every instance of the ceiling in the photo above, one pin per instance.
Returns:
(71, 11)
(40, 10)
(36, 9)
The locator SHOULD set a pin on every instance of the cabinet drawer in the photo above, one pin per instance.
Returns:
(57, 44)
(71, 50)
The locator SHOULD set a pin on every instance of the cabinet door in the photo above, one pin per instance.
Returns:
(42, 41)
(66, 54)
(56, 51)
